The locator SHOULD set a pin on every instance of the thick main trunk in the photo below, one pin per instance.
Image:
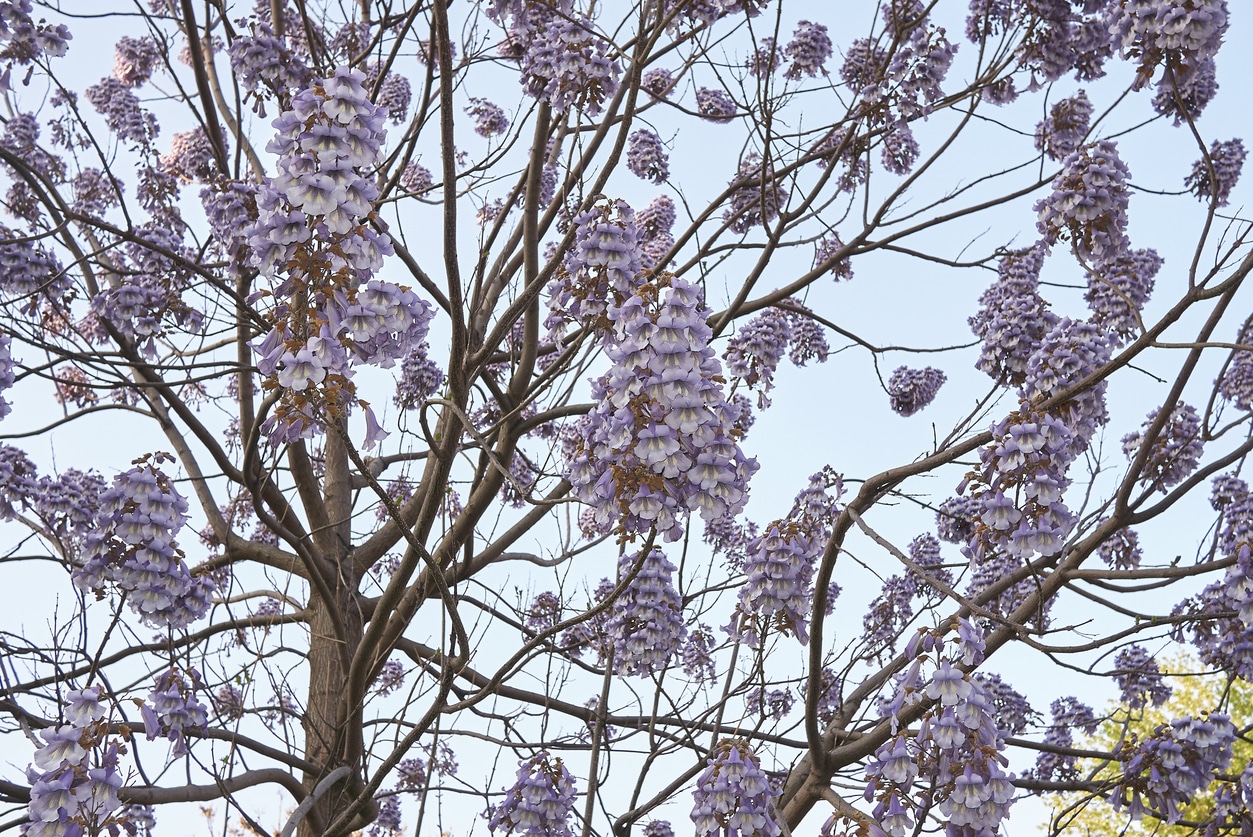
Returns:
(333, 738)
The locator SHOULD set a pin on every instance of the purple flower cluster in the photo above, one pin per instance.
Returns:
(660, 440)
(1175, 452)
(734, 796)
(230, 207)
(1088, 204)
(773, 704)
(1139, 678)
(646, 156)
(715, 105)
(416, 178)
(654, 223)
(261, 60)
(826, 249)
(1013, 713)
(190, 156)
(121, 110)
(1168, 32)
(23, 41)
(1071, 351)
(1184, 92)
(1013, 318)
(1061, 134)
(900, 149)
(779, 566)
(753, 354)
(1226, 159)
(956, 751)
(1121, 550)
(133, 546)
(567, 64)
(1172, 766)
(1020, 487)
(757, 197)
(390, 678)
(7, 375)
(172, 708)
(540, 802)
(420, 378)
(764, 60)
(657, 82)
(1236, 383)
(75, 777)
(1222, 640)
(696, 655)
(602, 269)
(957, 518)
(134, 59)
(489, 119)
(394, 94)
(910, 84)
(316, 213)
(1118, 288)
(913, 389)
(1068, 715)
(808, 50)
(646, 624)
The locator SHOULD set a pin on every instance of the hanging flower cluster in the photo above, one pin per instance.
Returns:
(646, 624)
(955, 753)
(1226, 159)
(754, 353)
(1068, 715)
(1172, 766)
(734, 796)
(646, 157)
(1118, 289)
(540, 802)
(779, 566)
(75, 777)
(1063, 131)
(133, 546)
(661, 439)
(601, 269)
(1168, 32)
(172, 708)
(913, 389)
(316, 231)
(1013, 318)
(1176, 450)
(1088, 204)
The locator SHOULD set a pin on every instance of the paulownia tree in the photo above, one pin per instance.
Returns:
(448, 324)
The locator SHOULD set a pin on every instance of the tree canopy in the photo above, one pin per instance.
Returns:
(558, 417)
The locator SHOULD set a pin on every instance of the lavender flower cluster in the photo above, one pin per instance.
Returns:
(1139, 678)
(540, 802)
(133, 546)
(565, 62)
(734, 795)
(779, 566)
(1118, 288)
(1214, 179)
(315, 224)
(661, 439)
(1172, 766)
(654, 224)
(913, 389)
(1057, 764)
(956, 750)
(1088, 204)
(602, 269)
(172, 708)
(757, 198)
(754, 353)
(1013, 318)
(1175, 451)
(1061, 134)
(646, 157)
(75, 778)
(646, 624)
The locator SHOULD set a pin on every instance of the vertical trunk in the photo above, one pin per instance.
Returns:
(336, 627)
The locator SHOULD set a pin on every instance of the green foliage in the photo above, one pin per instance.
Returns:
(1195, 693)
